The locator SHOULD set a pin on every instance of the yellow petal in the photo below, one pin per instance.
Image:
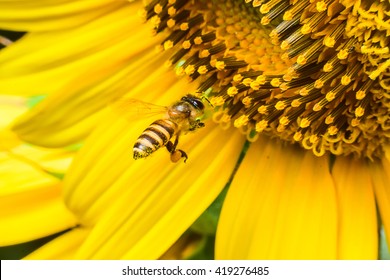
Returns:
(46, 15)
(358, 229)
(44, 62)
(32, 212)
(155, 201)
(67, 116)
(31, 206)
(63, 247)
(281, 205)
(10, 108)
(380, 176)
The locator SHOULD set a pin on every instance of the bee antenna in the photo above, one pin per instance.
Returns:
(208, 101)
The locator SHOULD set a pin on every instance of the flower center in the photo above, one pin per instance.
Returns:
(309, 72)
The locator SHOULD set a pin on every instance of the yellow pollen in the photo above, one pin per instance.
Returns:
(232, 91)
(247, 101)
(275, 82)
(313, 139)
(329, 119)
(241, 121)
(238, 78)
(296, 103)
(171, 1)
(186, 45)
(318, 83)
(190, 69)
(284, 45)
(142, 14)
(265, 8)
(306, 28)
(321, 6)
(168, 45)
(343, 54)
(298, 136)
(184, 26)
(247, 82)
(284, 57)
(359, 112)
(305, 122)
(158, 8)
(360, 94)
(287, 77)
(155, 20)
(204, 53)
(171, 23)
(303, 91)
(198, 40)
(345, 80)
(261, 79)
(281, 128)
(202, 70)
(332, 130)
(220, 65)
(301, 60)
(262, 109)
(330, 95)
(260, 126)
(284, 87)
(172, 11)
(217, 101)
(355, 122)
(255, 85)
(280, 105)
(265, 20)
(327, 67)
(329, 42)
(180, 71)
(226, 118)
(284, 121)
(317, 107)
(288, 15)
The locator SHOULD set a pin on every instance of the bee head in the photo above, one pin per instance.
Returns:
(196, 102)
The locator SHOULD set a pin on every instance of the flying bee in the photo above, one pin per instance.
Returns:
(181, 117)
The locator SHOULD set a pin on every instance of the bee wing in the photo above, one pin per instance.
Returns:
(131, 109)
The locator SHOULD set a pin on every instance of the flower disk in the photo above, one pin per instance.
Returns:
(312, 72)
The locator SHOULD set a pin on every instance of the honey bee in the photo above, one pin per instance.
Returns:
(181, 117)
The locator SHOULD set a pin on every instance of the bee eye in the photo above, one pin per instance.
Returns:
(197, 103)
(194, 101)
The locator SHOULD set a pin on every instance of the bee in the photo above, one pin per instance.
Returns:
(181, 117)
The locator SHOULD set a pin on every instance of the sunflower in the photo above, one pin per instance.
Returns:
(295, 152)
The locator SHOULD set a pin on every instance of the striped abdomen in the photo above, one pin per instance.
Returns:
(155, 136)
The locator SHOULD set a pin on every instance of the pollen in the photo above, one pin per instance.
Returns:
(314, 73)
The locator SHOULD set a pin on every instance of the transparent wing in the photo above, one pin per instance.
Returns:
(131, 109)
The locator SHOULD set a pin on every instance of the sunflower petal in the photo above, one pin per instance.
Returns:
(46, 15)
(63, 247)
(26, 207)
(277, 208)
(380, 176)
(175, 194)
(358, 229)
(64, 118)
(44, 62)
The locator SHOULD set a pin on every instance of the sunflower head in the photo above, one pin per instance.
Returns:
(309, 72)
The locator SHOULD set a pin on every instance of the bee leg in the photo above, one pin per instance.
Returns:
(176, 155)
